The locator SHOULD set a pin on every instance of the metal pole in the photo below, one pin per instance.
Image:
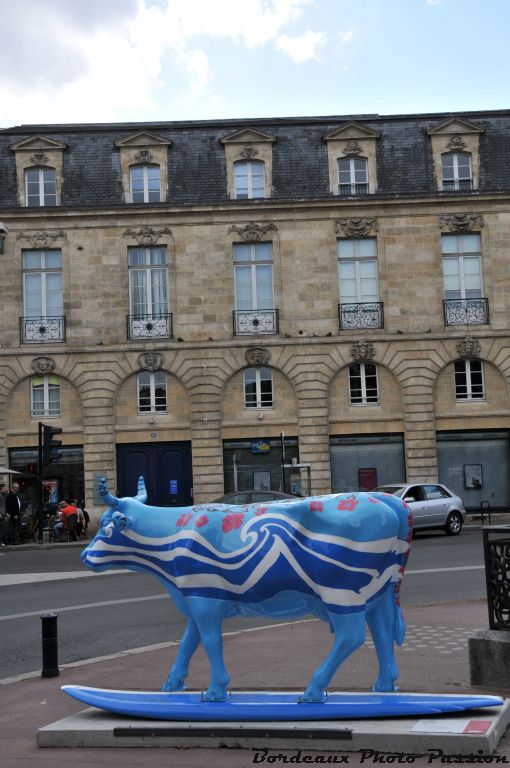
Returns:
(40, 520)
(49, 645)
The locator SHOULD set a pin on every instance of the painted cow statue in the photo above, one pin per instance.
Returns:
(339, 557)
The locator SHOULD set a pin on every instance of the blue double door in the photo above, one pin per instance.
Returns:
(166, 469)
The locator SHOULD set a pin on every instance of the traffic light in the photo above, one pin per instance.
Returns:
(50, 446)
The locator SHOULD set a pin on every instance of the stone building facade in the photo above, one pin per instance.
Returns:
(314, 304)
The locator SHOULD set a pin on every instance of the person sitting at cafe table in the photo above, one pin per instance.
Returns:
(64, 511)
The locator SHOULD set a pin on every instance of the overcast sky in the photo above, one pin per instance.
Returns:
(82, 61)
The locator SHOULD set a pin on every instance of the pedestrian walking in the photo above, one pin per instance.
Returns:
(4, 518)
(13, 509)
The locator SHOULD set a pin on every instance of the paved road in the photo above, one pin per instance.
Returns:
(108, 613)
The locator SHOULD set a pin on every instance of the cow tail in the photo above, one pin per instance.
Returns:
(405, 536)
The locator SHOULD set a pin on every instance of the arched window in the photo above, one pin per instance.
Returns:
(152, 392)
(145, 184)
(249, 179)
(45, 396)
(457, 173)
(469, 380)
(40, 187)
(258, 388)
(363, 385)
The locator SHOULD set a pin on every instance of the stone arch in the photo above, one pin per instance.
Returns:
(284, 411)
(385, 416)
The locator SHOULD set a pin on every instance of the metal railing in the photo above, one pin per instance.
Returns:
(466, 311)
(152, 326)
(251, 322)
(459, 185)
(352, 190)
(38, 330)
(496, 550)
(368, 314)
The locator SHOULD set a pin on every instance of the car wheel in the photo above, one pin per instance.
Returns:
(453, 524)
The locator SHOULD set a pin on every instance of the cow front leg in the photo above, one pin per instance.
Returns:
(187, 647)
(381, 619)
(349, 634)
(208, 616)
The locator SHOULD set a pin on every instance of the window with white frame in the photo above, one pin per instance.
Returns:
(249, 179)
(148, 291)
(145, 183)
(462, 268)
(457, 173)
(45, 396)
(353, 176)
(469, 380)
(258, 388)
(357, 270)
(253, 273)
(152, 392)
(42, 283)
(40, 187)
(363, 384)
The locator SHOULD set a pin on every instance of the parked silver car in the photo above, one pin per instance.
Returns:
(432, 505)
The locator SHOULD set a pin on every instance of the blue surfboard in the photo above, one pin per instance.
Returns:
(251, 706)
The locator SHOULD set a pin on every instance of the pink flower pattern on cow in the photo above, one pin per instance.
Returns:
(260, 511)
(232, 521)
(316, 506)
(348, 505)
(184, 519)
(202, 520)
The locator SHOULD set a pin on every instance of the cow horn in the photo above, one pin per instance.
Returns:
(142, 491)
(105, 494)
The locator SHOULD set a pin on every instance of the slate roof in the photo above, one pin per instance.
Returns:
(197, 170)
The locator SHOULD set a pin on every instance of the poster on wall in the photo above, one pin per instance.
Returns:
(473, 476)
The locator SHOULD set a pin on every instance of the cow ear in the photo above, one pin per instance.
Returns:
(120, 520)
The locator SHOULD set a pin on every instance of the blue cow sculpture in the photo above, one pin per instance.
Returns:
(339, 557)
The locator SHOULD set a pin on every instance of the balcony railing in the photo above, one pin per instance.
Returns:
(351, 190)
(466, 311)
(38, 330)
(458, 185)
(368, 314)
(153, 326)
(252, 322)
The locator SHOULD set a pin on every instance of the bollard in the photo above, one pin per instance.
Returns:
(49, 645)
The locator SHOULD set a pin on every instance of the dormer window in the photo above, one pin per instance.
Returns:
(145, 184)
(40, 187)
(457, 173)
(456, 154)
(352, 160)
(353, 176)
(249, 179)
(249, 164)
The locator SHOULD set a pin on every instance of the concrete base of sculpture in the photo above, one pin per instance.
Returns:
(489, 659)
(472, 732)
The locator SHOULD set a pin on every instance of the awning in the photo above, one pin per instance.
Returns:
(5, 471)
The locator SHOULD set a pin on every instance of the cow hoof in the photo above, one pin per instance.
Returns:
(313, 697)
(380, 687)
(215, 696)
(167, 686)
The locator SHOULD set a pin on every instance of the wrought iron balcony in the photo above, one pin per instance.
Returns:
(466, 311)
(368, 314)
(154, 326)
(458, 185)
(38, 330)
(352, 190)
(252, 322)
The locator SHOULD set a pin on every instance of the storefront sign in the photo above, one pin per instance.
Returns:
(260, 446)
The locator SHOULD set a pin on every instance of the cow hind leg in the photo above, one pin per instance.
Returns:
(349, 634)
(381, 620)
(179, 672)
(208, 616)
